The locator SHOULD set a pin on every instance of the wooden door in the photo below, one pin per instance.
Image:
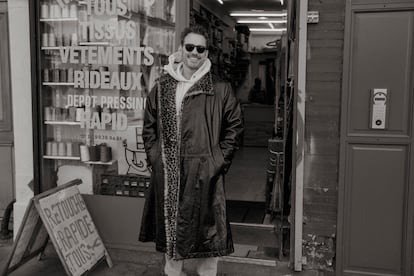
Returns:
(6, 130)
(375, 227)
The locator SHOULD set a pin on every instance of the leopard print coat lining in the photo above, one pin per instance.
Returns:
(170, 147)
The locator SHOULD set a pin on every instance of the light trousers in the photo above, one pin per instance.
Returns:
(204, 266)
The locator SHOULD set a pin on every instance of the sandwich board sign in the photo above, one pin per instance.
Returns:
(31, 240)
(69, 226)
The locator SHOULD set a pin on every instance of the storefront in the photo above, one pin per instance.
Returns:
(93, 65)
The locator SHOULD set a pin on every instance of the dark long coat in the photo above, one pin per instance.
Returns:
(185, 209)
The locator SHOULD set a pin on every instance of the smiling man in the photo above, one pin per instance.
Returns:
(191, 130)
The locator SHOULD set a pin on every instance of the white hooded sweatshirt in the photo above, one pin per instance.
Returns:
(175, 70)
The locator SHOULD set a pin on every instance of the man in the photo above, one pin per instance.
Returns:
(191, 130)
(257, 94)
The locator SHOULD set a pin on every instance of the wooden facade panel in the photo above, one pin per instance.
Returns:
(376, 176)
(321, 59)
(318, 130)
(332, 43)
(326, 26)
(371, 68)
(323, 200)
(336, 16)
(323, 228)
(323, 53)
(328, 128)
(323, 98)
(327, 5)
(322, 113)
(326, 35)
(325, 76)
(320, 214)
(320, 176)
(321, 146)
(319, 67)
(323, 89)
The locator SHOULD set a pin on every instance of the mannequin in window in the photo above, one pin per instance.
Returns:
(257, 94)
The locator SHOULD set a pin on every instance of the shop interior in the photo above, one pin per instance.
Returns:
(90, 127)
(252, 56)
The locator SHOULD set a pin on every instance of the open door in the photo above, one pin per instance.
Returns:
(258, 185)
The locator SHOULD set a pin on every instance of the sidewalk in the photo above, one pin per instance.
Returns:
(125, 263)
(131, 263)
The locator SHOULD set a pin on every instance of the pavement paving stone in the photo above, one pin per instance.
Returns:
(139, 263)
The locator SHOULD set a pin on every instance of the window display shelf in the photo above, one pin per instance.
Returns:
(94, 43)
(61, 157)
(160, 54)
(65, 123)
(100, 163)
(59, 19)
(48, 48)
(58, 83)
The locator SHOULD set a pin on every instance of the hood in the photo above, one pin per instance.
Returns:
(174, 68)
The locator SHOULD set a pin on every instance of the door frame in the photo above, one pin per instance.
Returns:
(299, 122)
(408, 252)
(6, 124)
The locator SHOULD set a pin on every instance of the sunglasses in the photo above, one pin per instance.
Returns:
(190, 48)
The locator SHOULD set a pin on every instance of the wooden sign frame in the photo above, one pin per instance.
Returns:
(31, 240)
(36, 229)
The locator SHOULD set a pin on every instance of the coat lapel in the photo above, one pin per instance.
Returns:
(203, 86)
(169, 154)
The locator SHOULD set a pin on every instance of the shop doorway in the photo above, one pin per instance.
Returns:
(256, 186)
(6, 130)
(258, 182)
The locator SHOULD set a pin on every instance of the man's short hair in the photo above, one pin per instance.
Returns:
(196, 29)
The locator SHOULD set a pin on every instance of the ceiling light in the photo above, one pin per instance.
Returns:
(267, 30)
(271, 26)
(262, 21)
(262, 17)
(254, 14)
(220, 1)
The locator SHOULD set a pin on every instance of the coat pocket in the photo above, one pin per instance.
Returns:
(153, 154)
(190, 189)
(188, 219)
(218, 157)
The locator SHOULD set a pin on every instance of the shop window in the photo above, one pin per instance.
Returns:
(99, 60)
